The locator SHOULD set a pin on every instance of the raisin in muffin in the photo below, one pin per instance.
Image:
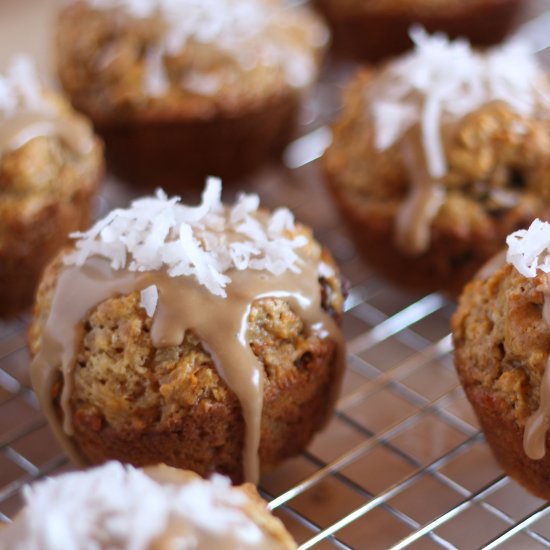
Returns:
(373, 30)
(501, 333)
(440, 154)
(152, 509)
(205, 337)
(182, 89)
(50, 166)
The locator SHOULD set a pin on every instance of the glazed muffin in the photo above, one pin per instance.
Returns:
(205, 337)
(158, 508)
(50, 167)
(374, 30)
(182, 89)
(501, 333)
(438, 156)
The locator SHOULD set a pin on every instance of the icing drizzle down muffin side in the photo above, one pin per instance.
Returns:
(198, 269)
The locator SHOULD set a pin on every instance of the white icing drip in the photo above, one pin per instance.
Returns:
(250, 31)
(445, 80)
(121, 507)
(203, 241)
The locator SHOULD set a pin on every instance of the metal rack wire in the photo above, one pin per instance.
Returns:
(402, 464)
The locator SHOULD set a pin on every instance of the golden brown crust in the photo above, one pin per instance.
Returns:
(143, 405)
(376, 30)
(501, 349)
(180, 136)
(46, 192)
(255, 507)
(486, 156)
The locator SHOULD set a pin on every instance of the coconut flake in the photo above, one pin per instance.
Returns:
(149, 299)
(20, 87)
(205, 241)
(105, 507)
(529, 249)
(445, 80)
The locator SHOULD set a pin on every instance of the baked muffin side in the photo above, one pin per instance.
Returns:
(502, 344)
(51, 165)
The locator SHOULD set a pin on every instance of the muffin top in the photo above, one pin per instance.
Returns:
(47, 151)
(196, 274)
(153, 509)
(164, 58)
(446, 137)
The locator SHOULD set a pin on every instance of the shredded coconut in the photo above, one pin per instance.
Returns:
(248, 30)
(443, 79)
(529, 249)
(205, 241)
(149, 299)
(120, 507)
(20, 87)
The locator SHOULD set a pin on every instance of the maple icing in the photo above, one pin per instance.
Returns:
(183, 304)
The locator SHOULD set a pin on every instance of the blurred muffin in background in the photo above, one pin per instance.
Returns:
(183, 89)
(376, 29)
(50, 167)
(159, 508)
(203, 337)
(438, 155)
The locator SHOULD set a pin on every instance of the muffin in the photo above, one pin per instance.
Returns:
(202, 337)
(374, 30)
(440, 154)
(182, 89)
(159, 508)
(50, 167)
(501, 333)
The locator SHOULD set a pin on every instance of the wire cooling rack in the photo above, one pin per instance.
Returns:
(402, 463)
